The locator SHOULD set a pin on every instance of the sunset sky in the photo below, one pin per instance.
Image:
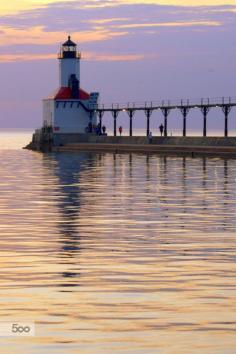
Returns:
(132, 51)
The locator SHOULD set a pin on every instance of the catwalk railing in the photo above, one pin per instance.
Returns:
(166, 106)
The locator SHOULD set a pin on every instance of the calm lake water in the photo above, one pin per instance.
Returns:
(117, 253)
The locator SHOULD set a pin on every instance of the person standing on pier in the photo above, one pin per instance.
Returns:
(161, 128)
(104, 130)
(150, 137)
(120, 130)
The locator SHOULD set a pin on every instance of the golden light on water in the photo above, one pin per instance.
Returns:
(111, 252)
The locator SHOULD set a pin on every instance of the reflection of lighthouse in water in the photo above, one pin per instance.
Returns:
(67, 109)
(67, 168)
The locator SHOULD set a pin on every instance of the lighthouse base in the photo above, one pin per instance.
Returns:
(45, 139)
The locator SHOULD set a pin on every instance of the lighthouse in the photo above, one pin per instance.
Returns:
(67, 112)
(69, 60)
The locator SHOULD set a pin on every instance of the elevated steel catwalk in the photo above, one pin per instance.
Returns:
(184, 105)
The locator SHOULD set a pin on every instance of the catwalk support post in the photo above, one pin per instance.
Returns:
(205, 110)
(131, 115)
(148, 113)
(185, 111)
(166, 112)
(100, 115)
(115, 115)
(226, 110)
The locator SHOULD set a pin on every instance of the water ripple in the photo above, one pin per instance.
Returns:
(118, 253)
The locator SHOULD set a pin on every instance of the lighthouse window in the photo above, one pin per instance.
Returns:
(69, 49)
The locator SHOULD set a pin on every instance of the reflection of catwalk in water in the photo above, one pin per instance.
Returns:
(184, 179)
(184, 201)
(162, 189)
(226, 180)
(204, 184)
(221, 209)
(67, 167)
(148, 175)
(204, 173)
(226, 195)
(163, 176)
(130, 167)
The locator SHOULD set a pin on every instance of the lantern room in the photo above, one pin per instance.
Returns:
(69, 50)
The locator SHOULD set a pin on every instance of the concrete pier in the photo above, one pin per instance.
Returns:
(46, 141)
(193, 146)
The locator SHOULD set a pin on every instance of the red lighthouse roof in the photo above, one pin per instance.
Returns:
(65, 93)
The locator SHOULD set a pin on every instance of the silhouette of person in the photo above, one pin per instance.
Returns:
(104, 130)
(90, 127)
(161, 128)
(150, 137)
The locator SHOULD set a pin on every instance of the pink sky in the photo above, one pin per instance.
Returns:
(132, 50)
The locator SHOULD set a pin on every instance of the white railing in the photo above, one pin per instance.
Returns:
(214, 101)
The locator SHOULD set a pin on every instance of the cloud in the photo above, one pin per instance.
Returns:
(103, 21)
(17, 7)
(224, 10)
(120, 32)
(38, 35)
(51, 23)
(91, 56)
(180, 3)
(118, 57)
(156, 50)
(170, 24)
(9, 58)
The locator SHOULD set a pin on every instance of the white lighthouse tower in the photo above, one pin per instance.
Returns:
(68, 111)
(69, 62)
